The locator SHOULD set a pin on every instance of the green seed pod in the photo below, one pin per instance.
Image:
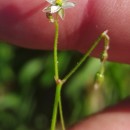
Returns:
(99, 78)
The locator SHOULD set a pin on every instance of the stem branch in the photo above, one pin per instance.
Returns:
(106, 38)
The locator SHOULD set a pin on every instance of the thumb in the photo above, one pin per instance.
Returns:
(23, 23)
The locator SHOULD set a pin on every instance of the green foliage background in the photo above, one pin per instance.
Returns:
(27, 87)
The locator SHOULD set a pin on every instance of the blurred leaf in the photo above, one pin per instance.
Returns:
(22, 127)
(30, 71)
(64, 61)
(83, 77)
(41, 122)
(6, 74)
(118, 76)
(6, 52)
(9, 101)
(6, 55)
(26, 109)
(7, 121)
(47, 77)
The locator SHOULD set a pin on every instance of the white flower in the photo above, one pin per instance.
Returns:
(58, 6)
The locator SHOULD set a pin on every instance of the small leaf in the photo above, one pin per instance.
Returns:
(61, 14)
(30, 70)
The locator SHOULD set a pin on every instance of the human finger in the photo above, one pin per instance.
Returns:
(113, 118)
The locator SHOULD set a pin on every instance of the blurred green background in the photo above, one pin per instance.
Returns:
(27, 87)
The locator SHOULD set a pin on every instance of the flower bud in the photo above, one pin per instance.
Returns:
(50, 17)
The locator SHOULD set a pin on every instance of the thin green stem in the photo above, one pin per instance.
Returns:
(55, 50)
(61, 114)
(55, 108)
(58, 82)
(103, 35)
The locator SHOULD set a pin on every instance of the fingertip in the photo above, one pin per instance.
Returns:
(116, 117)
(109, 15)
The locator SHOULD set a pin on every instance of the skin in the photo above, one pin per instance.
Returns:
(113, 118)
(22, 23)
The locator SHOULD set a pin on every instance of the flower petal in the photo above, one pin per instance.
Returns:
(55, 8)
(66, 5)
(47, 9)
(51, 1)
(51, 9)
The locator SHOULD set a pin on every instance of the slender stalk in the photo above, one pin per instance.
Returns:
(103, 35)
(55, 50)
(61, 114)
(55, 108)
(58, 87)
(100, 74)
(58, 82)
